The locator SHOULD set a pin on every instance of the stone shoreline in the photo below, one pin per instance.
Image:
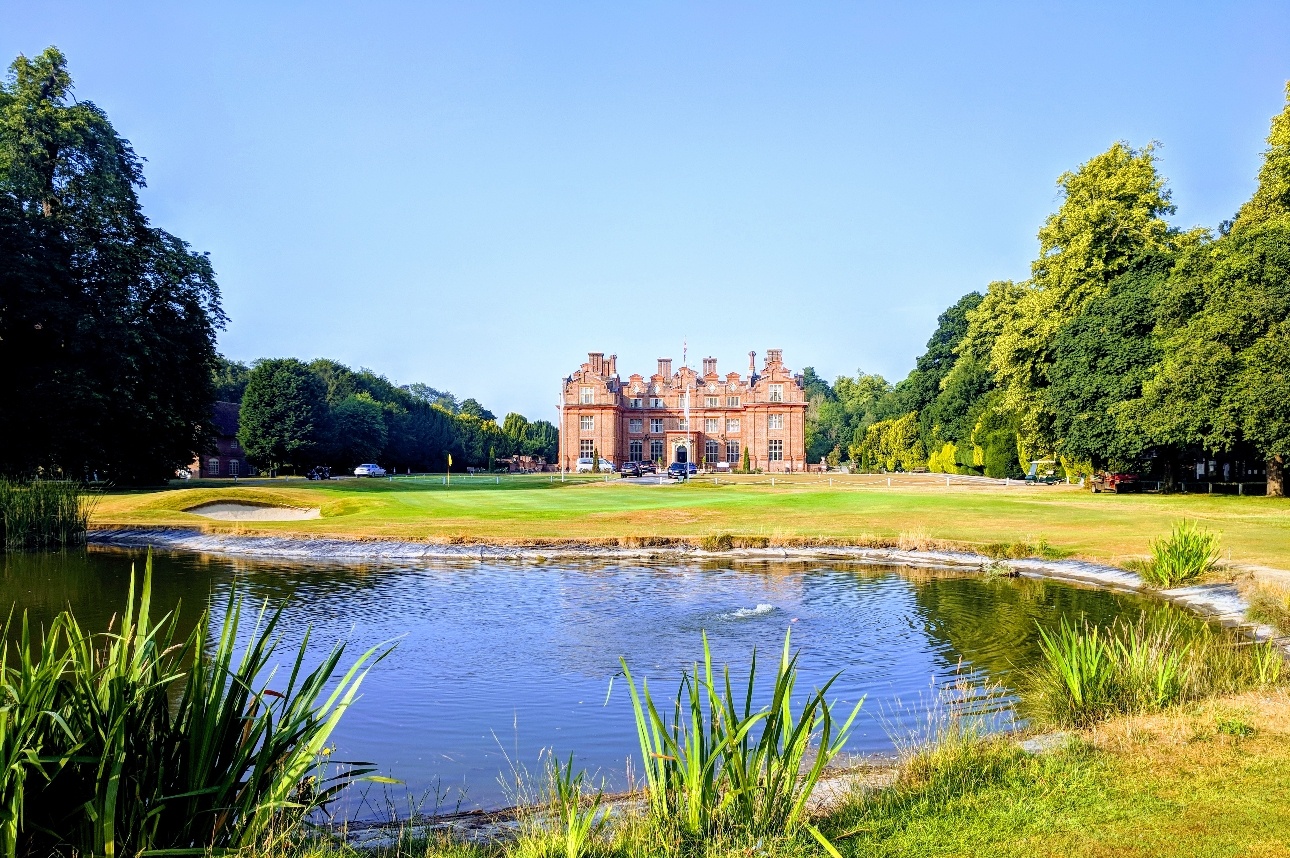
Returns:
(1219, 601)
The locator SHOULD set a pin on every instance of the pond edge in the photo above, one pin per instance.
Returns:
(1221, 601)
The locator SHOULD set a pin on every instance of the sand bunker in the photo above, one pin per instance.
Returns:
(251, 512)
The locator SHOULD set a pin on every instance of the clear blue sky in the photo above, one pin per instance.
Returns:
(475, 195)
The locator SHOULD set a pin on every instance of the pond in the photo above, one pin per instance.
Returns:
(496, 662)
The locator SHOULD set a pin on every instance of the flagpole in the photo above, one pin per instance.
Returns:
(561, 435)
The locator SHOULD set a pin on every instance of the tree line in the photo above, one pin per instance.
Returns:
(1133, 345)
(294, 415)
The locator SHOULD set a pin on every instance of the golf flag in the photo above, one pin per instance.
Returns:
(450, 460)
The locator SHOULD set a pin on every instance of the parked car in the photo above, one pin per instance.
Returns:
(647, 468)
(682, 470)
(1115, 482)
(369, 471)
(586, 466)
(630, 469)
(322, 472)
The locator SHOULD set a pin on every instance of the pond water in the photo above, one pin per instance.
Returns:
(496, 662)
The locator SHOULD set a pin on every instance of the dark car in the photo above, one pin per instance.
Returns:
(630, 469)
(1114, 482)
(321, 472)
(682, 470)
(647, 468)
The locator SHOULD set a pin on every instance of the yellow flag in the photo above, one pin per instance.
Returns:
(450, 460)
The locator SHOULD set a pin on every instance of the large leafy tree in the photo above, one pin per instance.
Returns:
(284, 418)
(107, 323)
(1222, 325)
(1112, 212)
(1222, 379)
(1101, 359)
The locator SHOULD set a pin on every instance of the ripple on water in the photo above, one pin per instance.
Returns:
(495, 662)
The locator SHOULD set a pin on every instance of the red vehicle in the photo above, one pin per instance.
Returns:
(1118, 483)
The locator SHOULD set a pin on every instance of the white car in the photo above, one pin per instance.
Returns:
(369, 471)
(586, 466)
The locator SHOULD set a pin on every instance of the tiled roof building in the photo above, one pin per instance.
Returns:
(643, 419)
(226, 458)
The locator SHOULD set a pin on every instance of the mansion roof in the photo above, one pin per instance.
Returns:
(609, 388)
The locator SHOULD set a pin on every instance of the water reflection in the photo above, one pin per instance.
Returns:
(497, 661)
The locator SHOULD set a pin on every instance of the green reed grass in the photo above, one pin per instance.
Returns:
(133, 741)
(1186, 554)
(1090, 673)
(43, 514)
(720, 765)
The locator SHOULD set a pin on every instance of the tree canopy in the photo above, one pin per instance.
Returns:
(107, 323)
(1132, 344)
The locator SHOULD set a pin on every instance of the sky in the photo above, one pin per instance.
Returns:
(475, 195)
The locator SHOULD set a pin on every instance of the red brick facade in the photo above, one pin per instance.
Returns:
(226, 459)
(643, 419)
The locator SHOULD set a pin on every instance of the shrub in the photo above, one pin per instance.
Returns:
(718, 542)
(1186, 554)
(1270, 604)
(719, 766)
(42, 514)
(132, 741)
(1090, 673)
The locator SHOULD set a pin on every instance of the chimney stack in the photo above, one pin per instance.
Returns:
(774, 356)
(597, 361)
(709, 366)
(613, 365)
(665, 367)
(752, 363)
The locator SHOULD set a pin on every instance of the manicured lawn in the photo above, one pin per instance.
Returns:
(1102, 527)
(1210, 780)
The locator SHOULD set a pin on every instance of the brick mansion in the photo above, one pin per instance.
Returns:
(644, 418)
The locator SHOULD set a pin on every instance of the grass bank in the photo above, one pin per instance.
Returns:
(798, 509)
(1211, 778)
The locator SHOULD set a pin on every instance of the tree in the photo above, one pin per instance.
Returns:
(107, 323)
(230, 379)
(359, 431)
(1101, 359)
(1220, 322)
(283, 416)
(472, 408)
(1112, 213)
(1271, 199)
(924, 382)
(431, 396)
(1263, 401)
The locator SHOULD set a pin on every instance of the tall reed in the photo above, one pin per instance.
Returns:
(1186, 554)
(718, 764)
(43, 514)
(1088, 673)
(130, 741)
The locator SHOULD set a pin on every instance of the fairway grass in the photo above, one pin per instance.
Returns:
(803, 509)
